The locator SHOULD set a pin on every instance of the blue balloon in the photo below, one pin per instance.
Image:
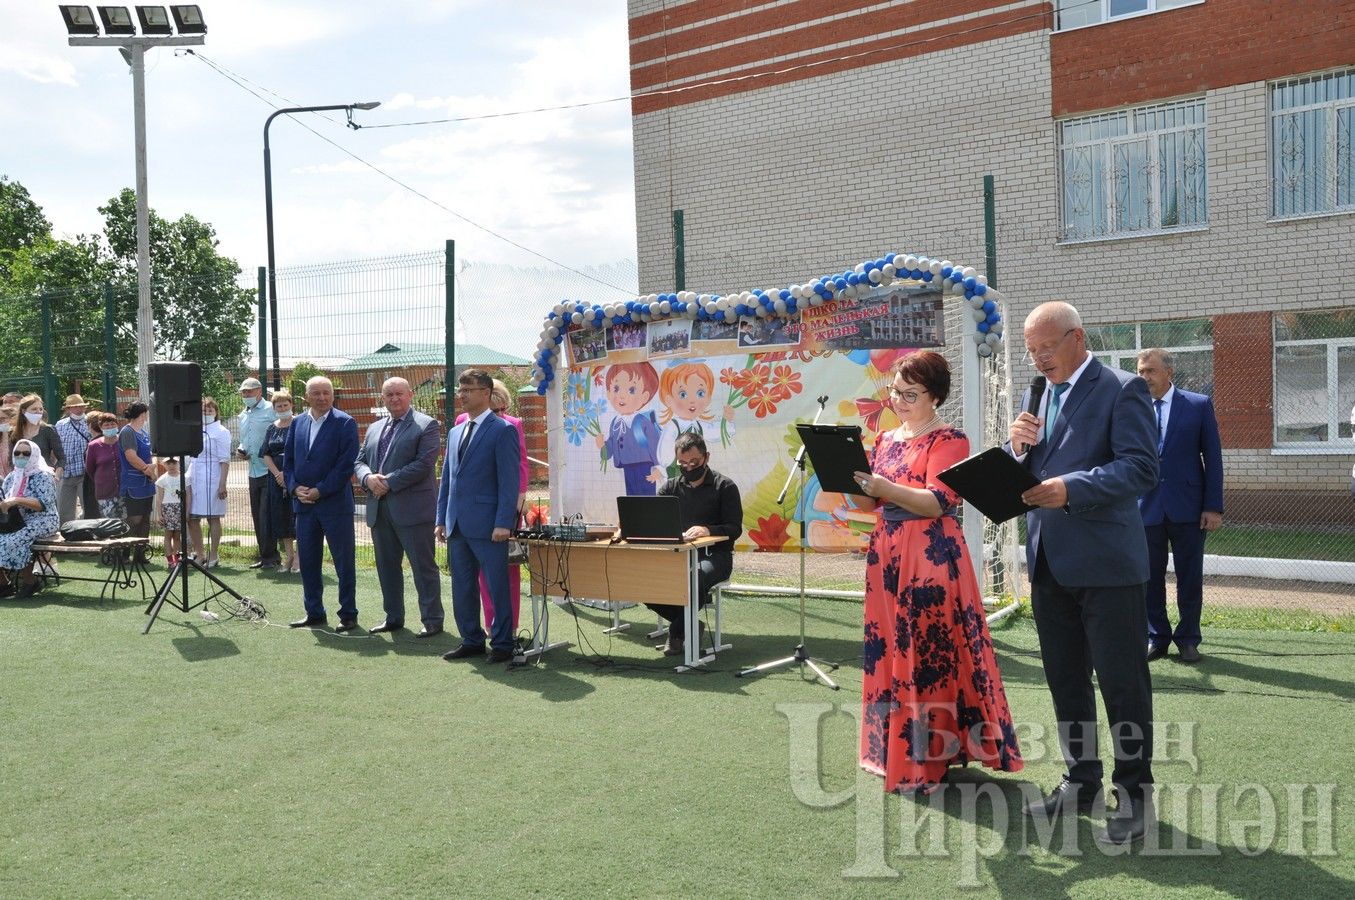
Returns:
(840, 283)
(927, 276)
(968, 294)
(988, 305)
(946, 271)
(993, 318)
(785, 294)
(790, 305)
(980, 289)
(970, 283)
(983, 327)
(559, 338)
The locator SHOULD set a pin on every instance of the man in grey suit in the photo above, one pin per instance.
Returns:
(396, 465)
(1094, 448)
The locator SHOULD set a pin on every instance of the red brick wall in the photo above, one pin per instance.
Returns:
(532, 412)
(1196, 48)
(1244, 362)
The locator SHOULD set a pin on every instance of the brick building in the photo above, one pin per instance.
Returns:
(1181, 170)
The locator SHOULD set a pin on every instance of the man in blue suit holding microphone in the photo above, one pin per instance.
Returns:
(1091, 444)
(1182, 508)
(477, 511)
(321, 448)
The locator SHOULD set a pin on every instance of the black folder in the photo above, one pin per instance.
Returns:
(836, 452)
(993, 481)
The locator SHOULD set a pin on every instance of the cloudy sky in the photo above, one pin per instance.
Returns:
(559, 183)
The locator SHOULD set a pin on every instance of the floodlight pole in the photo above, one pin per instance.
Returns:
(268, 215)
(134, 51)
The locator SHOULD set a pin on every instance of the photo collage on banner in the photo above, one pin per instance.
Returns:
(631, 389)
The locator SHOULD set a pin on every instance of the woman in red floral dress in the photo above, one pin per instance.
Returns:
(931, 694)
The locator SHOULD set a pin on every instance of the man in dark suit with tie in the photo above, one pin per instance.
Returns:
(396, 467)
(477, 509)
(1092, 447)
(318, 468)
(1182, 508)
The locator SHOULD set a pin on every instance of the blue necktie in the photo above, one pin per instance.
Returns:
(1053, 411)
(1161, 438)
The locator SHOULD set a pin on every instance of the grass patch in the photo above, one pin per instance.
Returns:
(1273, 543)
(233, 759)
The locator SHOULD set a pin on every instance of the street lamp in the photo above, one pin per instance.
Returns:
(119, 31)
(268, 213)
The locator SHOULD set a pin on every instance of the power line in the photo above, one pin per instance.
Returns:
(238, 81)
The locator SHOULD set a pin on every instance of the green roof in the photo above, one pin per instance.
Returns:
(398, 356)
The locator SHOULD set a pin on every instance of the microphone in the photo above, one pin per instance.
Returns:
(1037, 386)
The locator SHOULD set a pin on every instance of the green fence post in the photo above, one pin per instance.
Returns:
(679, 252)
(990, 229)
(110, 352)
(263, 326)
(449, 380)
(48, 376)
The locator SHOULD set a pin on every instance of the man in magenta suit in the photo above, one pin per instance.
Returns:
(1182, 508)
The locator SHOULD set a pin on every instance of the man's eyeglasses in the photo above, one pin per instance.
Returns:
(689, 466)
(909, 396)
(470, 390)
(1040, 354)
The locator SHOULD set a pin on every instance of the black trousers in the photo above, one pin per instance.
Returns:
(715, 568)
(258, 512)
(1099, 629)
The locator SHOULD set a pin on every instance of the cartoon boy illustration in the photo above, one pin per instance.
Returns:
(686, 391)
(632, 441)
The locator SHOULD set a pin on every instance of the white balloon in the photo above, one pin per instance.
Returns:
(559, 308)
(710, 306)
(910, 262)
(704, 298)
(889, 270)
(997, 348)
(997, 328)
(924, 264)
(935, 267)
(898, 260)
(978, 337)
(993, 338)
(968, 272)
(797, 292)
(859, 268)
(874, 276)
(666, 307)
(978, 314)
(984, 350)
(576, 318)
(981, 279)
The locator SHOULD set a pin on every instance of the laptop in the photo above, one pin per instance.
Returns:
(649, 520)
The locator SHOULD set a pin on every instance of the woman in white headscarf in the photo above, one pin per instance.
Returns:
(207, 484)
(31, 489)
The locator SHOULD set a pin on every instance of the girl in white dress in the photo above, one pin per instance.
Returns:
(207, 475)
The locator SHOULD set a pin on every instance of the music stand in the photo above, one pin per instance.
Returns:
(799, 656)
(182, 567)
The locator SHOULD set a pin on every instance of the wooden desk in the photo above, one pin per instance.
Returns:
(634, 573)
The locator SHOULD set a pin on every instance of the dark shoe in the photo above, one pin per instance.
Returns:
(346, 625)
(500, 656)
(1156, 651)
(1190, 654)
(1125, 828)
(429, 631)
(1067, 796)
(27, 588)
(310, 622)
(6, 590)
(257, 564)
(386, 626)
(465, 651)
(674, 645)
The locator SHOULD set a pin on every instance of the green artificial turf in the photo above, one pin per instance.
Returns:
(238, 759)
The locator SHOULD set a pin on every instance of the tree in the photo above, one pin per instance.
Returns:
(201, 314)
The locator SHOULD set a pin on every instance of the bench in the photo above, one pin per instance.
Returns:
(124, 558)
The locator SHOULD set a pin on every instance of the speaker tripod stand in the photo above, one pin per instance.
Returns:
(182, 567)
(799, 656)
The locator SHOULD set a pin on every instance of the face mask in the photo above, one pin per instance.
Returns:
(251, 402)
(33, 417)
(76, 417)
(6, 428)
(110, 432)
(208, 419)
(21, 462)
(285, 415)
(691, 476)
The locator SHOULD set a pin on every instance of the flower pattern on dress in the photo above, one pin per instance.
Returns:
(931, 692)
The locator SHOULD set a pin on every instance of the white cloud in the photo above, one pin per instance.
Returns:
(40, 67)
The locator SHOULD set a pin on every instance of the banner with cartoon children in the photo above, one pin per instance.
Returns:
(621, 418)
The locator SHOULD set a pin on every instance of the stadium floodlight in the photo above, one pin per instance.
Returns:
(117, 20)
(188, 19)
(154, 20)
(79, 20)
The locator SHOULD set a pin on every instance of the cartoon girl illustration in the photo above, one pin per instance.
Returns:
(686, 391)
(632, 440)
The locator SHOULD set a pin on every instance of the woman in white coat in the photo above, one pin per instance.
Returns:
(207, 475)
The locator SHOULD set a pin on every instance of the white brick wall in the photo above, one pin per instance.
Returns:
(793, 181)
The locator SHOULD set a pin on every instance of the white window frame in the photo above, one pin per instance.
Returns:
(1333, 140)
(1108, 146)
(1154, 6)
(1334, 443)
(1117, 358)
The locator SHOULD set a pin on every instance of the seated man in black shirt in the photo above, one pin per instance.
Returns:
(709, 504)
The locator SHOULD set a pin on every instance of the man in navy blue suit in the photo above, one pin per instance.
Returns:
(477, 509)
(1182, 508)
(318, 467)
(1092, 447)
